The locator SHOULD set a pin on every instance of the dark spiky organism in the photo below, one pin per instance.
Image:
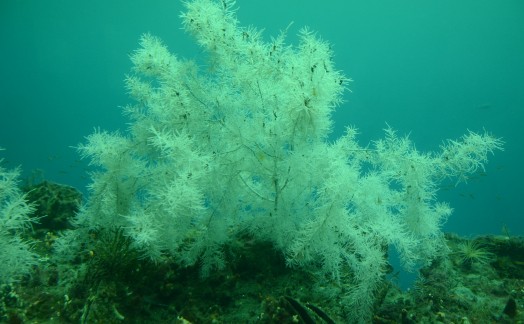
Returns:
(113, 257)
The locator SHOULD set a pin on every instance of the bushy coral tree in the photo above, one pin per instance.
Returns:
(241, 146)
(16, 257)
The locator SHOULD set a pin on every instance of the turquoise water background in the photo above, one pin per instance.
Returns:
(432, 69)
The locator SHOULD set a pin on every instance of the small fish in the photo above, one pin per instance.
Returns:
(486, 106)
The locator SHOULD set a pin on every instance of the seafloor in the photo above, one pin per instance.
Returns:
(480, 280)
